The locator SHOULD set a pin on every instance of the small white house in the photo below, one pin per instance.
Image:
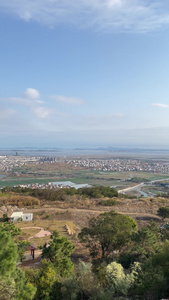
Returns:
(21, 216)
(27, 217)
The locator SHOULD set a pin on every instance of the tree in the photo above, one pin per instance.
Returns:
(13, 284)
(10, 227)
(146, 241)
(154, 277)
(82, 284)
(163, 212)
(15, 233)
(107, 232)
(46, 280)
(118, 281)
(58, 252)
(8, 254)
(22, 246)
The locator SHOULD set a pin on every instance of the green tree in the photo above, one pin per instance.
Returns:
(15, 233)
(13, 284)
(10, 227)
(22, 245)
(82, 284)
(144, 243)
(107, 232)
(163, 212)
(8, 254)
(45, 280)
(154, 277)
(58, 252)
(23, 289)
(118, 281)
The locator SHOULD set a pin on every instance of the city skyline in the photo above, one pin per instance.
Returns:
(84, 74)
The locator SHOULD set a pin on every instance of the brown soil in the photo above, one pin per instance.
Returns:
(141, 210)
(41, 233)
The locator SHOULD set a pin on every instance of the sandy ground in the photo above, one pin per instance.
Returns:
(41, 233)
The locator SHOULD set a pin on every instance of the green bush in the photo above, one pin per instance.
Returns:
(109, 202)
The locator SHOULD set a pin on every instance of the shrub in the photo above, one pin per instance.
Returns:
(109, 202)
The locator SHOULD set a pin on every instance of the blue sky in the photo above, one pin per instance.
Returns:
(84, 73)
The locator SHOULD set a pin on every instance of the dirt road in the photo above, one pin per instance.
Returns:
(81, 216)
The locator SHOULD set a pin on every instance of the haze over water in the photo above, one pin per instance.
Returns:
(122, 153)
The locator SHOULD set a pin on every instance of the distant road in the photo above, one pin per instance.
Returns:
(131, 188)
(138, 186)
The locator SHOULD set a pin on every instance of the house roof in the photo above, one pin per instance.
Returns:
(18, 214)
(27, 214)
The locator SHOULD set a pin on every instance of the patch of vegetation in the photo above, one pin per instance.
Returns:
(18, 199)
(63, 194)
(109, 202)
(139, 179)
(163, 212)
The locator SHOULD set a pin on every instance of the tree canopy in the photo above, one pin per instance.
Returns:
(62, 194)
(107, 232)
(163, 212)
(58, 252)
(13, 284)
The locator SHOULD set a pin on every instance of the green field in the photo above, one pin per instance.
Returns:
(12, 181)
(91, 177)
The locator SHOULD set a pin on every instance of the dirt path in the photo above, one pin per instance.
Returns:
(88, 211)
(81, 216)
(41, 233)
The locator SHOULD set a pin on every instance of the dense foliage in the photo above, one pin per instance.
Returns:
(106, 233)
(163, 212)
(61, 194)
(58, 251)
(13, 283)
(109, 202)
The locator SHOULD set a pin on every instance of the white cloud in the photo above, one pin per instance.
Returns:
(31, 97)
(42, 112)
(68, 100)
(160, 105)
(21, 101)
(103, 15)
(15, 100)
(32, 93)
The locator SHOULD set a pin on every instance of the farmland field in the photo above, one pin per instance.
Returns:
(90, 177)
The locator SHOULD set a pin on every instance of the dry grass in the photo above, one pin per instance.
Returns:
(29, 232)
(49, 225)
(40, 241)
(19, 200)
